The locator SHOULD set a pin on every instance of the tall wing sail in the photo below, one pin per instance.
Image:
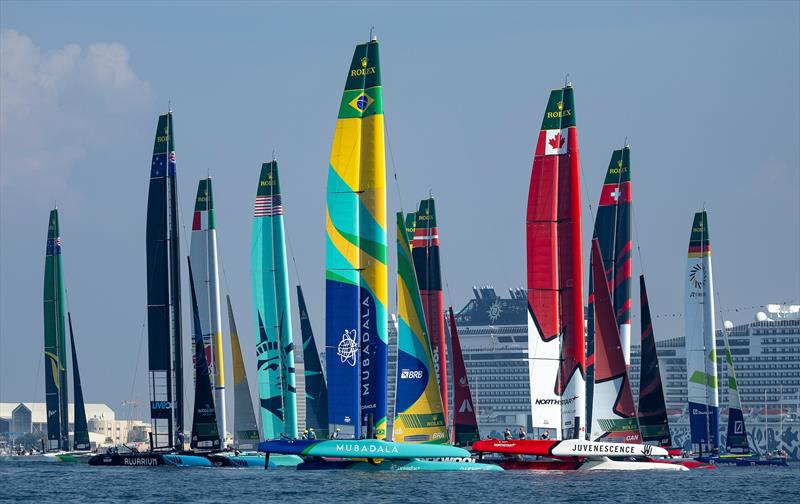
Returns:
(275, 350)
(425, 251)
(81, 437)
(419, 415)
(612, 228)
(555, 276)
(652, 409)
(163, 291)
(465, 421)
(356, 289)
(203, 253)
(316, 390)
(701, 347)
(614, 412)
(245, 427)
(736, 440)
(55, 370)
(205, 433)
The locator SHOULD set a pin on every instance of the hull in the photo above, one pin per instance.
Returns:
(607, 464)
(539, 465)
(567, 448)
(360, 449)
(254, 461)
(397, 465)
(149, 460)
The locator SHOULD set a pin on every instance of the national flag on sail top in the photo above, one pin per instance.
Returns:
(268, 206)
(556, 141)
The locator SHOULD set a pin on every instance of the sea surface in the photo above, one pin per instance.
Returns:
(65, 482)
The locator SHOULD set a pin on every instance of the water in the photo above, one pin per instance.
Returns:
(63, 482)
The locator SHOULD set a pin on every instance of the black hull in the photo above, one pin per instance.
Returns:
(128, 459)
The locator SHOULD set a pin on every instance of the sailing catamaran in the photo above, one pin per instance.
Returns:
(555, 276)
(164, 333)
(273, 320)
(55, 347)
(356, 283)
(701, 346)
(55, 352)
(203, 254)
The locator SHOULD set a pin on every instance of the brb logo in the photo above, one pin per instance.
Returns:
(348, 347)
(410, 374)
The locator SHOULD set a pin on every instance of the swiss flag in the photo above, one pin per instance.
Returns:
(555, 141)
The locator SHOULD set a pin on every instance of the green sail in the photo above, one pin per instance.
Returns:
(55, 343)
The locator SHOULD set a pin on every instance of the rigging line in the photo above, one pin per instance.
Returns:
(394, 166)
(138, 355)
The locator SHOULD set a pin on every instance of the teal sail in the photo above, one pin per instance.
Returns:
(55, 349)
(80, 439)
(274, 350)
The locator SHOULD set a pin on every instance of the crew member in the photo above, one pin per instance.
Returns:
(521, 433)
(311, 434)
(507, 434)
(335, 434)
(546, 435)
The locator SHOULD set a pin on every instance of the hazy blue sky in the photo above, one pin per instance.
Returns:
(707, 93)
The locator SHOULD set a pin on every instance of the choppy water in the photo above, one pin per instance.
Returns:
(63, 482)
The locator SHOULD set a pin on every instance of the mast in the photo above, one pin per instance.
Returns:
(274, 350)
(555, 276)
(316, 389)
(55, 341)
(164, 339)
(245, 427)
(465, 421)
(81, 437)
(425, 251)
(701, 348)
(419, 413)
(653, 419)
(356, 283)
(612, 228)
(614, 412)
(203, 254)
(205, 433)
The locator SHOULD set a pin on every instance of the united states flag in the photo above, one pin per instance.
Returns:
(268, 206)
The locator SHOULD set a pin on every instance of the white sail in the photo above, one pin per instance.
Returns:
(701, 348)
(205, 266)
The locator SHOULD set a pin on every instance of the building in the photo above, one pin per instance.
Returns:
(30, 418)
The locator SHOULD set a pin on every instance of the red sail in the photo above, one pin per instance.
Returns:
(618, 422)
(465, 423)
(555, 275)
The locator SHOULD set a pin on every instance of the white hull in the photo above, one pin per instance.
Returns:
(606, 464)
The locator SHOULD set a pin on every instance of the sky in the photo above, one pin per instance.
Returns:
(707, 93)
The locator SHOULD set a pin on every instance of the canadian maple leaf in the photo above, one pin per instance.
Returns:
(557, 141)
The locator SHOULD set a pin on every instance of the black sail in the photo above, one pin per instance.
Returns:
(205, 433)
(163, 292)
(653, 419)
(316, 389)
(81, 437)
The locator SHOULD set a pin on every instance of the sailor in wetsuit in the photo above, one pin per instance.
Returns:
(311, 434)
(335, 434)
(507, 434)
(521, 433)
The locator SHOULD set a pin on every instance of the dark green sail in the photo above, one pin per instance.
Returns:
(205, 433)
(55, 348)
(316, 388)
(80, 439)
(164, 339)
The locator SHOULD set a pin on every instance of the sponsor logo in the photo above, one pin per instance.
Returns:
(140, 461)
(647, 450)
(549, 402)
(348, 347)
(465, 407)
(619, 448)
(368, 449)
(364, 70)
(697, 276)
(51, 413)
(619, 168)
(160, 405)
(738, 427)
(410, 374)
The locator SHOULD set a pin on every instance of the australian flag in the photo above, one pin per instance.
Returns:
(160, 164)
